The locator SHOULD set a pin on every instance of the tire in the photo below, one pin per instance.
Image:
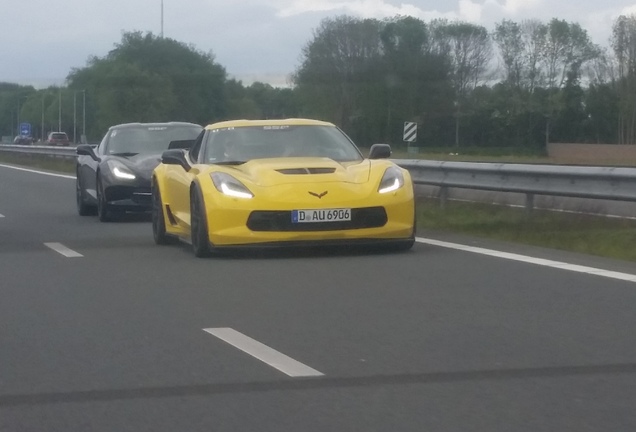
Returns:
(103, 212)
(158, 220)
(83, 209)
(198, 225)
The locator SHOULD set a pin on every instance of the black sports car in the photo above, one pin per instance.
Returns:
(114, 177)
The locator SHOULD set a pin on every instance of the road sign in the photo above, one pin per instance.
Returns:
(25, 129)
(410, 132)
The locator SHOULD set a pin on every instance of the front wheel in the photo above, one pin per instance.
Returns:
(198, 225)
(158, 219)
(103, 211)
(82, 208)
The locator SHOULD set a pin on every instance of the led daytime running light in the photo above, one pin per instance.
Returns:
(227, 190)
(123, 174)
(395, 186)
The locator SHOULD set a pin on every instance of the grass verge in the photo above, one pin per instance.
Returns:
(594, 235)
(52, 163)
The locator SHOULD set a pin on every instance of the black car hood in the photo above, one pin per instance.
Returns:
(141, 164)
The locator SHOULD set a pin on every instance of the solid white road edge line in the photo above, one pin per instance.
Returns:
(38, 172)
(531, 260)
(63, 250)
(275, 359)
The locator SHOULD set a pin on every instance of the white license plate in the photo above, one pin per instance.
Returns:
(321, 215)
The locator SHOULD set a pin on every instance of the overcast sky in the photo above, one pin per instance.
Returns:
(42, 40)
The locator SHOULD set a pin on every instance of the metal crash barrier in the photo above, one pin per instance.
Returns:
(608, 183)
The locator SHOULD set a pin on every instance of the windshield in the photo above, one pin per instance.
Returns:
(256, 142)
(58, 136)
(148, 139)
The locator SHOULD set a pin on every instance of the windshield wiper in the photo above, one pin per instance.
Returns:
(125, 154)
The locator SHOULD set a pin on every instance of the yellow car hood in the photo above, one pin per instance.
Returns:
(281, 171)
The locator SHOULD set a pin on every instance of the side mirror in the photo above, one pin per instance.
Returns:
(87, 150)
(175, 157)
(380, 151)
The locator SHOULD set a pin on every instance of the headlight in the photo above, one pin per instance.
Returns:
(228, 185)
(392, 180)
(120, 170)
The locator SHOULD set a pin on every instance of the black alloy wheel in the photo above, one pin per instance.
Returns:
(158, 219)
(103, 211)
(82, 208)
(198, 225)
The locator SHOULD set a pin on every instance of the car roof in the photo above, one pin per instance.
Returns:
(281, 122)
(159, 124)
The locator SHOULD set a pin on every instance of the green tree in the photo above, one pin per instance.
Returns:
(149, 78)
(624, 44)
(339, 69)
(469, 48)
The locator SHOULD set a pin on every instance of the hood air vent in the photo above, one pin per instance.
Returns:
(298, 171)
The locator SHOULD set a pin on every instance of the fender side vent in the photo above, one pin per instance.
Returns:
(171, 217)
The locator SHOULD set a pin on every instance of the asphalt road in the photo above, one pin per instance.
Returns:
(435, 339)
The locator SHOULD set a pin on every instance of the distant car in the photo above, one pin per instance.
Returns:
(58, 138)
(281, 183)
(23, 140)
(114, 177)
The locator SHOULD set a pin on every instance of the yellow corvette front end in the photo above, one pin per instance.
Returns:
(303, 207)
(280, 183)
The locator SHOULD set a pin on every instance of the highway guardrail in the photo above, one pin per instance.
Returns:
(68, 151)
(607, 183)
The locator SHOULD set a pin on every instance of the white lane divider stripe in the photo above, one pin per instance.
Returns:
(262, 352)
(63, 250)
(1, 215)
(38, 172)
(531, 260)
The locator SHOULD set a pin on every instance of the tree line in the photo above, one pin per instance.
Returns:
(518, 85)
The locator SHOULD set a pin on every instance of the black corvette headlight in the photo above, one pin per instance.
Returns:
(228, 185)
(392, 180)
(120, 170)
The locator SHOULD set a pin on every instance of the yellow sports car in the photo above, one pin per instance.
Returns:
(282, 183)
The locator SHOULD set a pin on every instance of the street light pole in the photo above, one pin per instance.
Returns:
(17, 127)
(74, 118)
(18, 131)
(84, 116)
(42, 129)
(59, 111)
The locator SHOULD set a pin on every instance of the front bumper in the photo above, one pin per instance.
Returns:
(129, 198)
(386, 218)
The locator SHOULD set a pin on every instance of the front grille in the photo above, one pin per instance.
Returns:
(142, 196)
(139, 195)
(370, 217)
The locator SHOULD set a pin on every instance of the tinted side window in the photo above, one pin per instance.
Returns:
(196, 148)
(102, 145)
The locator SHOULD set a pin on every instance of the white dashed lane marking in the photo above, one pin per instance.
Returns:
(532, 260)
(63, 250)
(71, 177)
(270, 356)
